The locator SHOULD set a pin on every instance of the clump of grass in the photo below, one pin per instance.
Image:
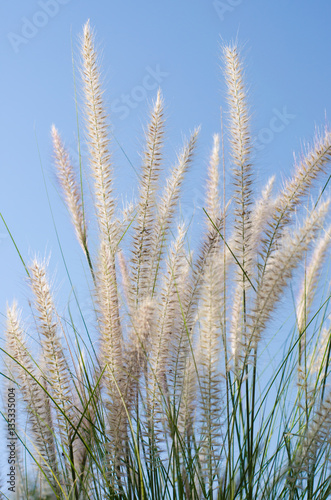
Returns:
(171, 398)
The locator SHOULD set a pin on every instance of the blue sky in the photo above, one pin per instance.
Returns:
(286, 46)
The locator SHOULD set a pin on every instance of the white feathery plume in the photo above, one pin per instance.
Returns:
(127, 217)
(109, 319)
(308, 287)
(279, 271)
(213, 204)
(124, 222)
(112, 360)
(169, 315)
(167, 205)
(146, 210)
(208, 359)
(261, 214)
(56, 368)
(84, 419)
(138, 349)
(210, 310)
(319, 358)
(313, 370)
(306, 171)
(312, 373)
(180, 365)
(259, 217)
(236, 333)
(241, 146)
(68, 182)
(210, 245)
(34, 396)
(126, 281)
(137, 356)
(186, 409)
(97, 137)
(316, 436)
(111, 346)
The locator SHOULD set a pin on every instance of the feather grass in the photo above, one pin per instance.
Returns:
(193, 391)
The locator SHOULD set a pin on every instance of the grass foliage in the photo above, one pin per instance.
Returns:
(173, 393)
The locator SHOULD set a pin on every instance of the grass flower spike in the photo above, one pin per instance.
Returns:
(198, 364)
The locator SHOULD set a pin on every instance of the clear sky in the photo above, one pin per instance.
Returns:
(174, 43)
